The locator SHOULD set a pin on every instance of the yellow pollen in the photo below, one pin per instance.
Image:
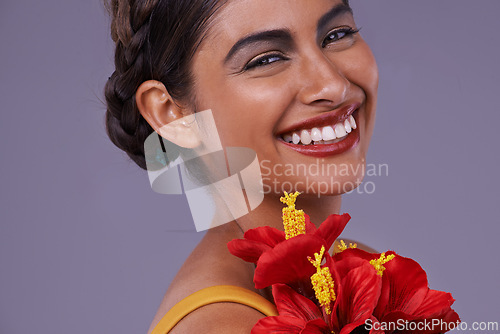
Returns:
(342, 247)
(378, 264)
(293, 220)
(322, 282)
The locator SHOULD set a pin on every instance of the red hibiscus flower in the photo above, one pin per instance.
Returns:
(350, 292)
(345, 309)
(270, 248)
(375, 293)
(262, 239)
(405, 299)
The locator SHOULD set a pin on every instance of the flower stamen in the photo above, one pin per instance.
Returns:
(378, 264)
(293, 220)
(342, 247)
(322, 282)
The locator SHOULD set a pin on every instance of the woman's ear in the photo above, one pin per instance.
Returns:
(168, 119)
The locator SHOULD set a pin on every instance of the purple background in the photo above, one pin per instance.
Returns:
(87, 247)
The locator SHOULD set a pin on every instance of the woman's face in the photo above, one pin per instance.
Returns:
(286, 78)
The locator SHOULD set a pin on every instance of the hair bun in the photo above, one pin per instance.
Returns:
(125, 126)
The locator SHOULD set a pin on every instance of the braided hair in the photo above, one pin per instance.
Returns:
(155, 40)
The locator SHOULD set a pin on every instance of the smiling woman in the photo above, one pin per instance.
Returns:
(291, 79)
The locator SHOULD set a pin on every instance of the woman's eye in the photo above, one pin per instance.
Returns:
(264, 61)
(338, 34)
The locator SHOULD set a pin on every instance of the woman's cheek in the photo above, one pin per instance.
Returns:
(255, 115)
(363, 70)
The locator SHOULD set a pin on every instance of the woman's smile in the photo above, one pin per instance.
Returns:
(328, 134)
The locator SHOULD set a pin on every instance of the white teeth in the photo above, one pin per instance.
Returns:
(316, 134)
(352, 122)
(347, 126)
(305, 137)
(328, 133)
(325, 135)
(340, 130)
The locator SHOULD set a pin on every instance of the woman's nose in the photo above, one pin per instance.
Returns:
(322, 82)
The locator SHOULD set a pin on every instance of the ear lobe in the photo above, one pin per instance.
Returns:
(168, 119)
(181, 132)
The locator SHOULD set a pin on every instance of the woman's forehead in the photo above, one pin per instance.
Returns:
(239, 18)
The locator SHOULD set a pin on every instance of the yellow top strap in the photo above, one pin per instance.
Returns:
(211, 295)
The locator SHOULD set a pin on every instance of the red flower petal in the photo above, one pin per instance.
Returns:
(375, 326)
(360, 290)
(279, 325)
(317, 326)
(287, 262)
(434, 314)
(247, 250)
(290, 303)
(435, 304)
(355, 252)
(450, 317)
(298, 314)
(310, 227)
(421, 326)
(268, 235)
(331, 228)
(351, 258)
(394, 321)
(404, 287)
(442, 324)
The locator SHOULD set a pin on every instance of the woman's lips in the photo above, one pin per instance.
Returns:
(326, 140)
(327, 118)
(325, 150)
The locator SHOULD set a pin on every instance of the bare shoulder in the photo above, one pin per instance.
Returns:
(211, 264)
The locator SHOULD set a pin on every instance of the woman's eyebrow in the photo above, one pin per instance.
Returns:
(281, 35)
(331, 15)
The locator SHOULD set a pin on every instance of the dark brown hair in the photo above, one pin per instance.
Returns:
(155, 40)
